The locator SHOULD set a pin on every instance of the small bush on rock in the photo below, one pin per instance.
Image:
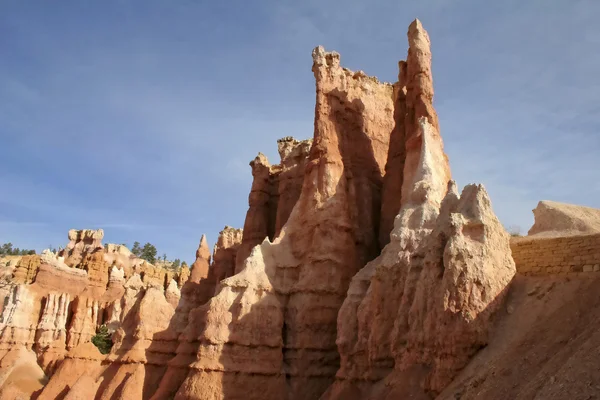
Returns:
(102, 340)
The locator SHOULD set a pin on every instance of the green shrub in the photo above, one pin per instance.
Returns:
(102, 340)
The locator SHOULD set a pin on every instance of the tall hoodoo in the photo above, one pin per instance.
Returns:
(282, 307)
(413, 101)
(200, 267)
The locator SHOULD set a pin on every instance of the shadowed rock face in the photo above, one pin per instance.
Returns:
(275, 191)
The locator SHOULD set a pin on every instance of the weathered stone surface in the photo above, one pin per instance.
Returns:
(274, 193)
(560, 219)
(294, 156)
(413, 101)
(184, 275)
(281, 308)
(201, 266)
(419, 311)
(20, 376)
(81, 242)
(26, 269)
(225, 254)
(51, 334)
(85, 319)
(262, 201)
(172, 293)
(305, 304)
(82, 361)
(19, 318)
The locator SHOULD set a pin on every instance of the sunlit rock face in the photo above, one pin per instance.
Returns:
(54, 304)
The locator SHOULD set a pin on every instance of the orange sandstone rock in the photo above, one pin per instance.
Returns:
(26, 269)
(275, 191)
(273, 325)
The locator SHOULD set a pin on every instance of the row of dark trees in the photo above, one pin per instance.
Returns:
(7, 249)
(147, 252)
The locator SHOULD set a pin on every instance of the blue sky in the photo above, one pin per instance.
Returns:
(140, 117)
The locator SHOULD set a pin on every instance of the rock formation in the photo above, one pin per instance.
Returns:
(55, 304)
(273, 325)
(225, 254)
(448, 260)
(26, 269)
(561, 219)
(274, 193)
(81, 242)
(361, 273)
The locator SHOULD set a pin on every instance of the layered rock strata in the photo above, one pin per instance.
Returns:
(273, 325)
(419, 311)
(362, 272)
(274, 193)
(52, 307)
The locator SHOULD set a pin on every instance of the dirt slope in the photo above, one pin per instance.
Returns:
(546, 344)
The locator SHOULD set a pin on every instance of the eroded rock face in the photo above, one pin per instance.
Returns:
(197, 290)
(307, 304)
(262, 211)
(81, 242)
(275, 191)
(52, 307)
(414, 316)
(560, 219)
(281, 308)
(225, 254)
(294, 156)
(26, 269)
(201, 266)
(413, 101)
(82, 362)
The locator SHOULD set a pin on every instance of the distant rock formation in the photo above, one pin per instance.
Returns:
(560, 219)
(56, 302)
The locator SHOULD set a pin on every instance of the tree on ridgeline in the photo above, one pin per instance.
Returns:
(148, 253)
(7, 249)
(136, 249)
